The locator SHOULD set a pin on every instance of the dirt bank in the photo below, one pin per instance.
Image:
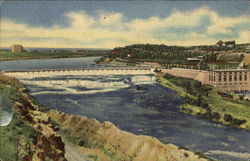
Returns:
(118, 145)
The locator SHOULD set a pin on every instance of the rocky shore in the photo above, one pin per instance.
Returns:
(47, 145)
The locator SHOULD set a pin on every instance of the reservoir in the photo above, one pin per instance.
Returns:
(134, 103)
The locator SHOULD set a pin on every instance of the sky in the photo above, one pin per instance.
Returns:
(110, 24)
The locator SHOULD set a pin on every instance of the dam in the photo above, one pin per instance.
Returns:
(81, 71)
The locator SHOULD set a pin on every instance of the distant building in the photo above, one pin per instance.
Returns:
(16, 48)
(228, 44)
(230, 79)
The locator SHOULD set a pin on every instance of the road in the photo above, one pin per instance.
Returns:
(73, 154)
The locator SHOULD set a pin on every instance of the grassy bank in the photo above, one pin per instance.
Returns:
(29, 136)
(208, 102)
(7, 55)
(17, 132)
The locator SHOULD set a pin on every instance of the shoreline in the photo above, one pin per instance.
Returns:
(41, 58)
(198, 110)
(116, 143)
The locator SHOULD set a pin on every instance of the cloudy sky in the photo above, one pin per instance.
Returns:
(108, 24)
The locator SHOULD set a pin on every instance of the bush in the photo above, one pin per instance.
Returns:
(205, 105)
(237, 122)
(234, 121)
(228, 117)
(82, 142)
(198, 84)
(215, 116)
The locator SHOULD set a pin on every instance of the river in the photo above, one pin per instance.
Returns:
(135, 103)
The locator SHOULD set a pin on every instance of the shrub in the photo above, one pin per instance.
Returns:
(237, 122)
(198, 84)
(82, 142)
(215, 116)
(205, 105)
(228, 117)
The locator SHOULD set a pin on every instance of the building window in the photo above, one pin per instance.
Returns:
(230, 78)
(235, 77)
(214, 77)
(210, 77)
(219, 78)
(225, 78)
(240, 77)
(245, 77)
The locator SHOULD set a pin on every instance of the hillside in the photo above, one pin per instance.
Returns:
(203, 57)
(29, 136)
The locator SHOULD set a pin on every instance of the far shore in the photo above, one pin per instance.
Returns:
(9, 56)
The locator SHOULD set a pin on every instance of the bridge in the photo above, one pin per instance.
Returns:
(83, 71)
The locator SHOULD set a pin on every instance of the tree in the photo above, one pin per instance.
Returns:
(228, 117)
(215, 115)
(198, 84)
(200, 100)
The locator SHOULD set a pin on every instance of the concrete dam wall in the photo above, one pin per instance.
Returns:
(107, 71)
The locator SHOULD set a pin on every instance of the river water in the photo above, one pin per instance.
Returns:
(135, 103)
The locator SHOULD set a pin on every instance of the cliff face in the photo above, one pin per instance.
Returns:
(118, 144)
(46, 145)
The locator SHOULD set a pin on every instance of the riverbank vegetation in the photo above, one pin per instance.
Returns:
(208, 102)
(8, 55)
(29, 135)
(17, 132)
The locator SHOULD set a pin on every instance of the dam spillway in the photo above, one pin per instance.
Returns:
(85, 71)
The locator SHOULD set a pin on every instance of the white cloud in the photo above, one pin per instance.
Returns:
(108, 30)
(223, 24)
(244, 36)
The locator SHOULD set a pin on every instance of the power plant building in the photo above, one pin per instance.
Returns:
(230, 79)
(224, 79)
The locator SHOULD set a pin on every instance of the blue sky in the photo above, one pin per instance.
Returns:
(107, 24)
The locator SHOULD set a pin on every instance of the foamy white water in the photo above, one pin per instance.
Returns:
(231, 153)
(86, 84)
